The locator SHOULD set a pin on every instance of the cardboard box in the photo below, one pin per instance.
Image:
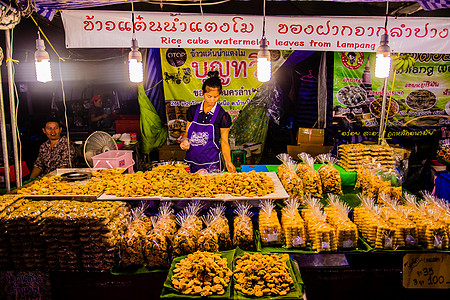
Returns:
(310, 136)
(171, 152)
(313, 149)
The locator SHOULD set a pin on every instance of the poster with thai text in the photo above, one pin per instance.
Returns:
(418, 90)
(184, 71)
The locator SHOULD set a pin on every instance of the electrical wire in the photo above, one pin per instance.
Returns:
(54, 50)
(65, 113)
(264, 19)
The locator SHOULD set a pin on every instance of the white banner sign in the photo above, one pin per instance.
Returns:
(113, 29)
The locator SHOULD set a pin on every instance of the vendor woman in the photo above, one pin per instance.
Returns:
(208, 127)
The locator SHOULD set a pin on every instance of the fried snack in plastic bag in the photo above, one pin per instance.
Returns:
(321, 234)
(203, 274)
(397, 216)
(289, 179)
(221, 226)
(157, 247)
(243, 227)
(131, 244)
(337, 216)
(166, 220)
(262, 275)
(294, 234)
(329, 175)
(268, 225)
(309, 176)
(208, 239)
(185, 240)
(374, 228)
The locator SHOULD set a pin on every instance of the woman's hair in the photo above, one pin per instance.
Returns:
(213, 81)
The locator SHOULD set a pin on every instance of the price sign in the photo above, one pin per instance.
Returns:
(426, 270)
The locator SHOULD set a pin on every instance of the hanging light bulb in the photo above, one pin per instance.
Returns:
(383, 58)
(264, 66)
(135, 68)
(42, 62)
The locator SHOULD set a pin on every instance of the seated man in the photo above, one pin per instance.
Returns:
(54, 153)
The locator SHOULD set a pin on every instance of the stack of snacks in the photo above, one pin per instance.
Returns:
(310, 177)
(262, 275)
(329, 175)
(23, 230)
(203, 274)
(337, 215)
(353, 155)
(220, 225)
(397, 217)
(288, 177)
(185, 239)
(7, 204)
(294, 234)
(243, 227)
(370, 179)
(132, 243)
(321, 235)
(268, 225)
(157, 248)
(208, 240)
(437, 214)
(374, 228)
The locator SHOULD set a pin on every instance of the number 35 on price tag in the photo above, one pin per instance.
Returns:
(426, 270)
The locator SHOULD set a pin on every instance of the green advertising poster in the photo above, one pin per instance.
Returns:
(184, 71)
(418, 90)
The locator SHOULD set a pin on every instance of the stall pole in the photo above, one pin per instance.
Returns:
(3, 131)
(383, 114)
(9, 66)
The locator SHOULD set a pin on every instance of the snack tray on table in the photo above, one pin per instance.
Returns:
(59, 172)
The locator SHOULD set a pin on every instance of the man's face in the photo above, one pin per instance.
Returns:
(52, 130)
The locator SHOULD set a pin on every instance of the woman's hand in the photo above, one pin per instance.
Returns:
(230, 167)
(185, 144)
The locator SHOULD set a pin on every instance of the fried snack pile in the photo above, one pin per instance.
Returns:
(262, 275)
(157, 245)
(185, 240)
(248, 184)
(353, 155)
(289, 179)
(309, 176)
(63, 234)
(337, 216)
(374, 228)
(329, 175)
(175, 182)
(132, 243)
(243, 227)
(294, 234)
(321, 235)
(269, 226)
(432, 219)
(55, 185)
(203, 274)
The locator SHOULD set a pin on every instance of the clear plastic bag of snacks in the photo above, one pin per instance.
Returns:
(243, 227)
(131, 244)
(309, 176)
(185, 239)
(329, 175)
(221, 226)
(288, 176)
(208, 239)
(268, 225)
(293, 226)
(157, 247)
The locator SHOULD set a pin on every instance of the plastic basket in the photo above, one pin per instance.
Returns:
(114, 159)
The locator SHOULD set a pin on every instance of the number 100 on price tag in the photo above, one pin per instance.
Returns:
(426, 270)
